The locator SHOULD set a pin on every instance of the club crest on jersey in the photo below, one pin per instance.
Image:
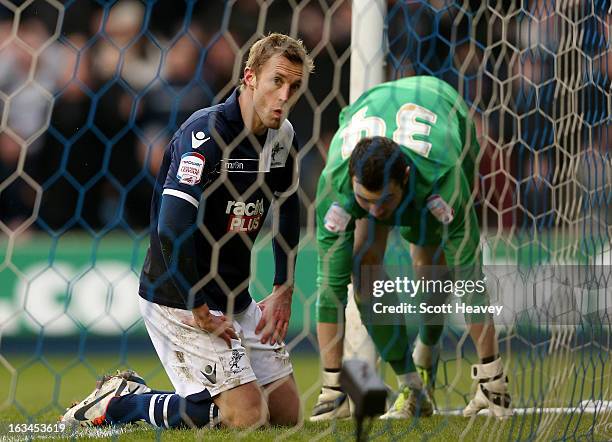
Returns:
(191, 168)
(279, 155)
(244, 217)
(336, 219)
(440, 209)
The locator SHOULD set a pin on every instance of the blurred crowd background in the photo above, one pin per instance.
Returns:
(90, 96)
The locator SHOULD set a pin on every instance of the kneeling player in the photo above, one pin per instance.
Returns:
(223, 352)
(415, 172)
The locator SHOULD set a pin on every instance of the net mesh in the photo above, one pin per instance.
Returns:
(91, 92)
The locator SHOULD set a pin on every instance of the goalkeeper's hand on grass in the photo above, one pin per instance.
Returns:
(217, 325)
(276, 311)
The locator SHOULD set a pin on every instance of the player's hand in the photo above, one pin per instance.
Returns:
(217, 325)
(276, 311)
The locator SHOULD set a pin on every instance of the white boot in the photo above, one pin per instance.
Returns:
(332, 402)
(491, 392)
(412, 400)
(409, 404)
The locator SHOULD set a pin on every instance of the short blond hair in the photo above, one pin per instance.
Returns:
(277, 44)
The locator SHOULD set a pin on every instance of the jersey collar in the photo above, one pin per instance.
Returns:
(231, 108)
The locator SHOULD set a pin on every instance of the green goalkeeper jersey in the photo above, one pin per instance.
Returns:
(430, 122)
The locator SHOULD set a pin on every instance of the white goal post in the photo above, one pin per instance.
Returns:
(367, 70)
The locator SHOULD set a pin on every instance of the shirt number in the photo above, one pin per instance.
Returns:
(407, 127)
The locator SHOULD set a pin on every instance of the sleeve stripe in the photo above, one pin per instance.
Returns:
(182, 195)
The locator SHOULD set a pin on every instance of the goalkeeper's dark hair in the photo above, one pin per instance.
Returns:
(376, 161)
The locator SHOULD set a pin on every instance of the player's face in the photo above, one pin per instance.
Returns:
(380, 204)
(276, 84)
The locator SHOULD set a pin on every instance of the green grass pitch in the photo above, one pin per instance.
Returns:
(39, 388)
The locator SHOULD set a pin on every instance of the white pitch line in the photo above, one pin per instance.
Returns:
(585, 407)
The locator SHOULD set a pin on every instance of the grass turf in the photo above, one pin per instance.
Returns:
(37, 389)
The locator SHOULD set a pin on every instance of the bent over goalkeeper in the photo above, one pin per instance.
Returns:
(404, 155)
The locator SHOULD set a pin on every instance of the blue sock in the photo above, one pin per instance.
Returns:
(162, 410)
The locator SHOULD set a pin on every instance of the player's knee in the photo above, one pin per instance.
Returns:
(289, 419)
(288, 415)
(285, 406)
(249, 418)
(249, 412)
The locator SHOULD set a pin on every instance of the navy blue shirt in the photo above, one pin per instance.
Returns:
(230, 177)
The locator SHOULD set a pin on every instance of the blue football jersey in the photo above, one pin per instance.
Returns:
(231, 177)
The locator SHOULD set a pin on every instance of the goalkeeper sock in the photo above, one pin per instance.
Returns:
(429, 334)
(162, 410)
(393, 345)
(426, 358)
(425, 355)
(391, 340)
(404, 365)
(411, 380)
(331, 378)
